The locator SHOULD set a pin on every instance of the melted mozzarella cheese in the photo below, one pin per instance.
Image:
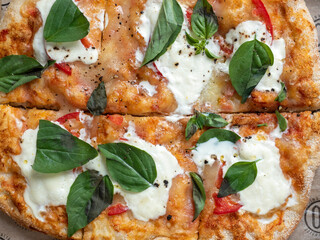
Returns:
(146, 86)
(152, 202)
(186, 72)
(212, 150)
(247, 31)
(270, 189)
(61, 52)
(42, 189)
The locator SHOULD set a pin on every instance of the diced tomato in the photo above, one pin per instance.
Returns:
(116, 119)
(77, 170)
(225, 205)
(86, 42)
(261, 11)
(117, 209)
(64, 67)
(224, 46)
(3, 34)
(63, 119)
(189, 14)
(123, 139)
(33, 12)
(158, 72)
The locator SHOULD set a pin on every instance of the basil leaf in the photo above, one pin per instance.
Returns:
(283, 93)
(263, 125)
(238, 177)
(98, 100)
(16, 70)
(89, 195)
(210, 54)
(200, 120)
(248, 65)
(65, 23)
(198, 194)
(191, 40)
(132, 168)
(204, 22)
(58, 150)
(220, 134)
(167, 28)
(281, 121)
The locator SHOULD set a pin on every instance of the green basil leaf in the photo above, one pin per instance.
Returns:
(263, 125)
(16, 70)
(204, 22)
(132, 168)
(220, 134)
(248, 65)
(192, 41)
(238, 177)
(281, 121)
(58, 150)
(167, 28)
(200, 120)
(65, 23)
(210, 54)
(283, 93)
(89, 195)
(98, 100)
(198, 193)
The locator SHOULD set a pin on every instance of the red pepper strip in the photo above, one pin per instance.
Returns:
(77, 170)
(117, 209)
(261, 11)
(64, 68)
(86, 42)
(189, 14)
(116, 119)
(123, 139)
(225, 205)
(63, 119)
(158, 72)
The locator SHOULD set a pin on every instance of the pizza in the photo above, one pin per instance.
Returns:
(158, 119)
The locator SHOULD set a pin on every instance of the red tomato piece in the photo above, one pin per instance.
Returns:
(220, 176)
(261, 11)
(64, 67)
(3, 34)
(117, 209)
(189, 14)
(63, 119)
(86, 42)
(225, 205)
(116, 119)
(123, 139)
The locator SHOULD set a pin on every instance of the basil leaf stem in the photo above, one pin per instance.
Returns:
(58, 150)
(198, 194)
(283, 93)
(89, 195)
(281, 121)
(98, 100)
(220, 134)
(167, 28)
(16, 70)
(248, 65)
(238, 177)
(132, 168)
(65, 23)
(200, 120)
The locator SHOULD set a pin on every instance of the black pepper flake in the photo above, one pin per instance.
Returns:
(176, 64)
(100, 78)
(269, 74)
(165, 183)
(206, 162)
(169, 217)
(156, 184)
